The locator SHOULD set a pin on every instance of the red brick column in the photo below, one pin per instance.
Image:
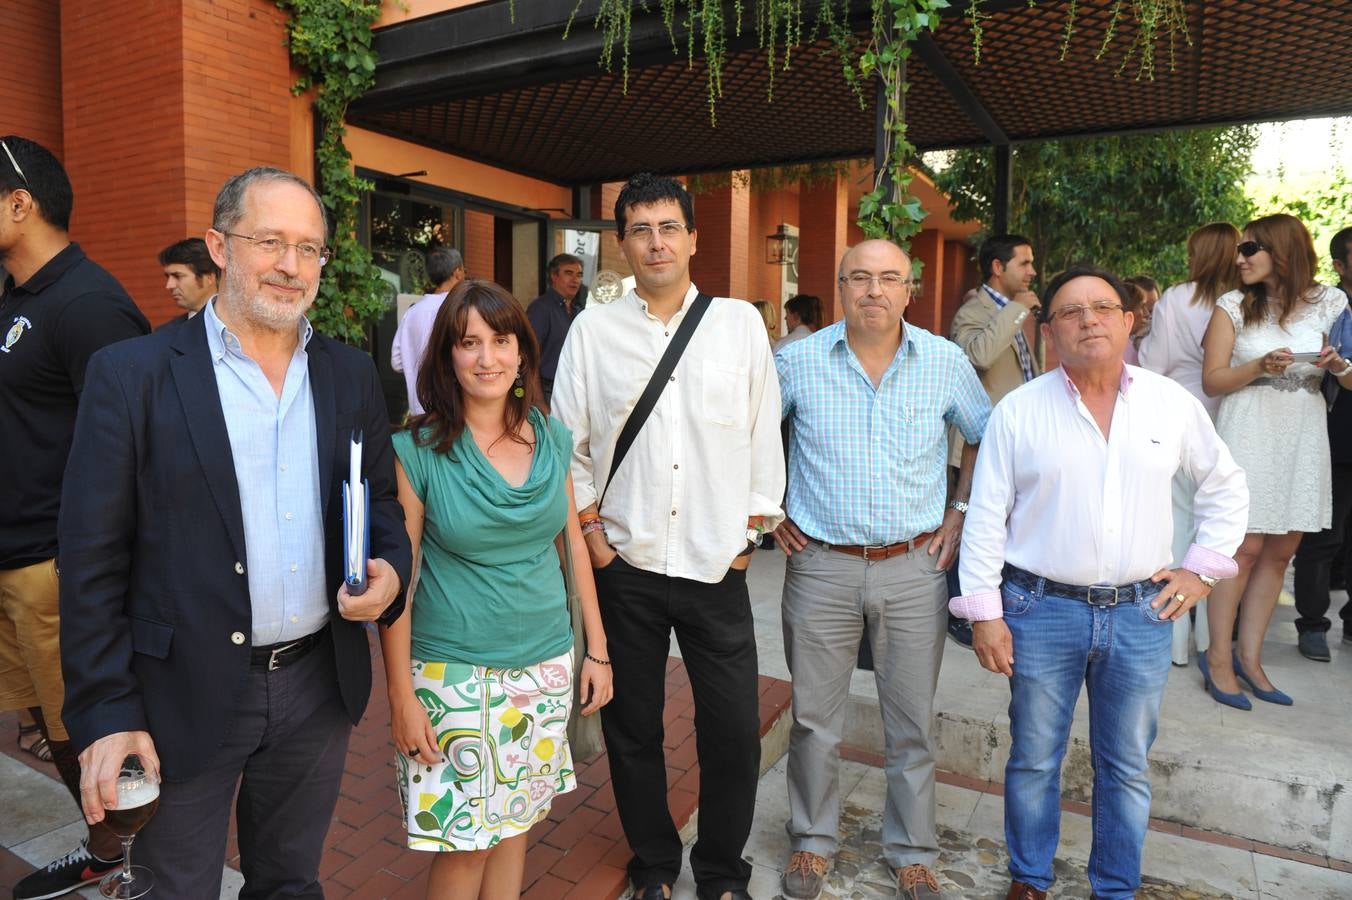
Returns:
(821, 241)
(30, 94)
(153, 126)
(960, 276)
(722, 219)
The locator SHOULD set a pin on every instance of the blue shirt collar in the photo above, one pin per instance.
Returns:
(220, 338)
(999, 298)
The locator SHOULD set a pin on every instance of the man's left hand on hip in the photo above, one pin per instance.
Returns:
(382, 586)
(945, 541)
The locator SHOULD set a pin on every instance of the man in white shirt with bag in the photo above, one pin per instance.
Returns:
(1065, 571)
(678, 466)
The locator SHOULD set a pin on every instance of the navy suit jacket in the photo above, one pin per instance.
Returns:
(151, 552)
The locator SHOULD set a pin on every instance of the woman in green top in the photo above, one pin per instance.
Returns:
(480, 672)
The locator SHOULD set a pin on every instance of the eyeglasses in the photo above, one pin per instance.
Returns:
(1249, 248)
(274, 248)
(1101, 309)
(15, 163)
(667, 230)
(889, 282)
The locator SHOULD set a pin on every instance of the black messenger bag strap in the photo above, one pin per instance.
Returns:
(648, 399)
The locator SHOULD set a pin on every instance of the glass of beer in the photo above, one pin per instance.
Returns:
(138, 796)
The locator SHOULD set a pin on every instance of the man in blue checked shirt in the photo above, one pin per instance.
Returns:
(868, 538)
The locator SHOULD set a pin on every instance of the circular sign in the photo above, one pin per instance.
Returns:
(608, 287)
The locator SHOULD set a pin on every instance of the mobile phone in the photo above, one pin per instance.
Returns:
(1305, 357)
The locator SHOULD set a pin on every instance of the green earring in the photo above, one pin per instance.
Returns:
(519, 391)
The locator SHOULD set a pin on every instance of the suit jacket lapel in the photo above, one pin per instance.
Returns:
(195, 380)
(322, 390)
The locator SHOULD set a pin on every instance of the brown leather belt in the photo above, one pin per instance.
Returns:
(886, 551)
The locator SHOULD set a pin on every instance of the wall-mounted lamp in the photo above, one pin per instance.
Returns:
(781, 248)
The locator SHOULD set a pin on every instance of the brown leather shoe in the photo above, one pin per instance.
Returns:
(1020, 891)
(917, 882)
(805, 875)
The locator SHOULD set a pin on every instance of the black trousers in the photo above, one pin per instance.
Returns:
(718, 642)
(285, 756)
(1314, 561)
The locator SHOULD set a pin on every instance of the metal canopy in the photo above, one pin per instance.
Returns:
(473, 83)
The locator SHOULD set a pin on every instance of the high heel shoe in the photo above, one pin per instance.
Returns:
(1238, 700)
(1272, 696)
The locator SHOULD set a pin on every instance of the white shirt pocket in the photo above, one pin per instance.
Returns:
(725, 390)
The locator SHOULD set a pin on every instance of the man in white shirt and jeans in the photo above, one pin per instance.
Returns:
(673, 537)
(1064, 569)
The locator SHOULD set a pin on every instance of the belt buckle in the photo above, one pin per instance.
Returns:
(1102, 589)
(866, 550)
(273, 664)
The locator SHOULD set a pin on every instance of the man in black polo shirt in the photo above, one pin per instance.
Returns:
(553, 311)
(56, 309)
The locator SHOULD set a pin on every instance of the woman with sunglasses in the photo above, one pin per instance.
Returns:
(1173, 347)
(1265, 353)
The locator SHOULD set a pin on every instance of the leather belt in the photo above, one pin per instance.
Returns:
(1101, 595)
(882, 551)
(279, 656)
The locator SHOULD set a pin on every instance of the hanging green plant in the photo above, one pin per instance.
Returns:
(889, 210)
(330, 43)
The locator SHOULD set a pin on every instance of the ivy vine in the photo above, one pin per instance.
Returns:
(330, 43)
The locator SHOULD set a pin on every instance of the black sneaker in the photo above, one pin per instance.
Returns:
(960, 632)
(71, 872)
(1313, 645)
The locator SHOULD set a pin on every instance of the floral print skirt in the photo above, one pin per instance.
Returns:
(502, 735)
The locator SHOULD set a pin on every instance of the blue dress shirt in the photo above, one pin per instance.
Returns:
(272, 442)
(866, 465)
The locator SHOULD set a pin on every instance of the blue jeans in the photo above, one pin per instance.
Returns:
(1122, 654)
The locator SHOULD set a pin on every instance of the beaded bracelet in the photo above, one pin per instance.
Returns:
(593, 525)
(599, 662)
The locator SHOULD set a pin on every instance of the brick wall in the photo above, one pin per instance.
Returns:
(477, 246)
(154, 126)
(719, 266)
(30, 92)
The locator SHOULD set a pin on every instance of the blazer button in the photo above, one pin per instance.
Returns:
(239, 568)
(237, 638)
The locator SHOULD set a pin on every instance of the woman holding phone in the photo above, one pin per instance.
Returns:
(480, 670)
(1265, 352)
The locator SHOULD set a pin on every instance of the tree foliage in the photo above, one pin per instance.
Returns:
(1126, 203)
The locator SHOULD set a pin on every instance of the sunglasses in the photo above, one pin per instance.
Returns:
(1249, 248)
(14, 162)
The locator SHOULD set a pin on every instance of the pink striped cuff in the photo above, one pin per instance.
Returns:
(1207, 562)
(978, 607)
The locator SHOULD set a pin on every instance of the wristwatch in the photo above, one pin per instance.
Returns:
(1206, 579)
(960, 505)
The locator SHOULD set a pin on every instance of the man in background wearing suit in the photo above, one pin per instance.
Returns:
(989, 327)
(206, 625)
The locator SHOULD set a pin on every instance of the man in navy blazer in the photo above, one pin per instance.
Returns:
(205, 623)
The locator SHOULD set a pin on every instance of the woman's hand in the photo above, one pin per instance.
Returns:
(1274, 362)
(412, 731)
(1331, 360)
(597, 689)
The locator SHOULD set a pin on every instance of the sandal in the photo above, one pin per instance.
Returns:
(39, 748)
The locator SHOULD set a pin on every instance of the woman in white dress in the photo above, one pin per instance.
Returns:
(1265, 352)
(1173, 348)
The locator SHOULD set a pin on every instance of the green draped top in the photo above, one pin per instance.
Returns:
(490, 592)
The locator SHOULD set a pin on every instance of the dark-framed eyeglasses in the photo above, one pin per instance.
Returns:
(1249, 248)
(668, 231)
(15, 163)
(275, 247)
(1101, 309)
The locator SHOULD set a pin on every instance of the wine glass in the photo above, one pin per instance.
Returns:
(138, 796)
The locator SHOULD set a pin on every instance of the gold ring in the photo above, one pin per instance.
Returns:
(1179, 598)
